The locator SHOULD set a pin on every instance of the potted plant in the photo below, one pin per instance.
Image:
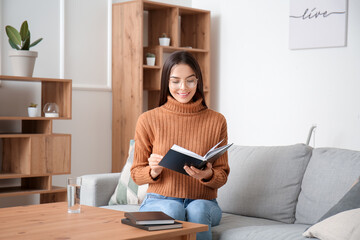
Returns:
(150, 59)
(32, 110)
(164, 40)
(23, 60)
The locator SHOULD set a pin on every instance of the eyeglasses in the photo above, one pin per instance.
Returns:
(176, 83)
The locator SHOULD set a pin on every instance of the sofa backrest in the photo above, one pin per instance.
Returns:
(329, 175)
(264, 181)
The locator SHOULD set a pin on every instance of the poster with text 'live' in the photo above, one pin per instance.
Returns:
(317, 23)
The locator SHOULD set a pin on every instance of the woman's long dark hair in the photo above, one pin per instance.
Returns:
(179, 57)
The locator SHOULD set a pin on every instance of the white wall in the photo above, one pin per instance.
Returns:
(271, 95)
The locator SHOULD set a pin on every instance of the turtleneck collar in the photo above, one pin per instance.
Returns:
(191, 107)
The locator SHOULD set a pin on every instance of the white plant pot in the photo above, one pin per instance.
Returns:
(32, 111)
(150, 61)
(164, 41)
(23, 62)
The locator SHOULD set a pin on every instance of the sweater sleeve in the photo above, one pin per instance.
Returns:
(220, 167)
(140, 170)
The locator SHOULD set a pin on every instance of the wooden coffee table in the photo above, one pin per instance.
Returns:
(52, 221)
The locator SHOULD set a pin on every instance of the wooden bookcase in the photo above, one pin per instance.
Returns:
(36, 153)
(189, 30)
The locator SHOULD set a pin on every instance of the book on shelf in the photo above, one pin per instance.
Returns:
(177, 157)
(152, 227)
(149, 218)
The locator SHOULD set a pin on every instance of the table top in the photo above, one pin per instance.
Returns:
(52, 221)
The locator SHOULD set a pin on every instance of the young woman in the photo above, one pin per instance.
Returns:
(182, 118)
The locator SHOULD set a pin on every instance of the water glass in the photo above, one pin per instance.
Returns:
(73, 194)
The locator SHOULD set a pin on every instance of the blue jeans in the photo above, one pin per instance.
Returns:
(193, 210)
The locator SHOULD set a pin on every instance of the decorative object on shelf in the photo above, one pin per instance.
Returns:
(150, 59)
(317, 23)
(51, 110)
(23, 60)
(164, 40)
(32, 110)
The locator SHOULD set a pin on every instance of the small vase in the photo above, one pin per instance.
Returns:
(32, 111)
(23, 62)
(150, 61)
(164, 41)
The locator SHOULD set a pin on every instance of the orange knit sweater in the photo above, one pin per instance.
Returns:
(191, 126)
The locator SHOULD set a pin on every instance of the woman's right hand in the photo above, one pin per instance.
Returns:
(154, 160)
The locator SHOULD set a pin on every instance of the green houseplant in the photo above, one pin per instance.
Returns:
(164, 40)
(150, 59)
(32, 110)
(23, 60)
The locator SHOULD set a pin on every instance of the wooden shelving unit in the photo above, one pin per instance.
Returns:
(189, 30)
(35, 154)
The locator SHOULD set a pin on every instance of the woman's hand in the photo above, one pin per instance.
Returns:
(154, 160)
(205, 174)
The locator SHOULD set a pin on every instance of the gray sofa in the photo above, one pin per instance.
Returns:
(272, 192)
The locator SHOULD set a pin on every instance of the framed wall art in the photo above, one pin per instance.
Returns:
(317, 23)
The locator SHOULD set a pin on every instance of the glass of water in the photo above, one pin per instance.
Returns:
(73, 194)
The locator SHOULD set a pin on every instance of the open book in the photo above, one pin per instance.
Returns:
(177, 157)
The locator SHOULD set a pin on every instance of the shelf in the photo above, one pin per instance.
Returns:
(173, 49)
(29, 155)
(191, 11)
(20, 191)
(29, 127)
(27, 135)
(151, 67)
(151, 5)
(18, 135)
(33, 118)
(136, 28)
(32, 79)
(53, 90)
(11, 134)
(32, 155)
(5, 175)
(12, 175)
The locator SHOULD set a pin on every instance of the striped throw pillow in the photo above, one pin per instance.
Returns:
(127, 191)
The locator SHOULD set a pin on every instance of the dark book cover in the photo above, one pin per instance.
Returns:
(177, 157)
(152, 227)
(147, 218)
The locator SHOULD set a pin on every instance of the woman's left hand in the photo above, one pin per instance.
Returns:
(205, 174)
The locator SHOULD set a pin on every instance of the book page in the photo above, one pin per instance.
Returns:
(187, 152)
(206, 156)
(217, 151)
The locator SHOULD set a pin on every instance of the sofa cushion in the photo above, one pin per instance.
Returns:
(230, 221)
(351, 200)
(278, 232)
(264, 181)
(96, 189)
(127, 191)
(342, 226)
(330, 174)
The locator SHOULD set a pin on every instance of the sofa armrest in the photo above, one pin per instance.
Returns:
(97, 189)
